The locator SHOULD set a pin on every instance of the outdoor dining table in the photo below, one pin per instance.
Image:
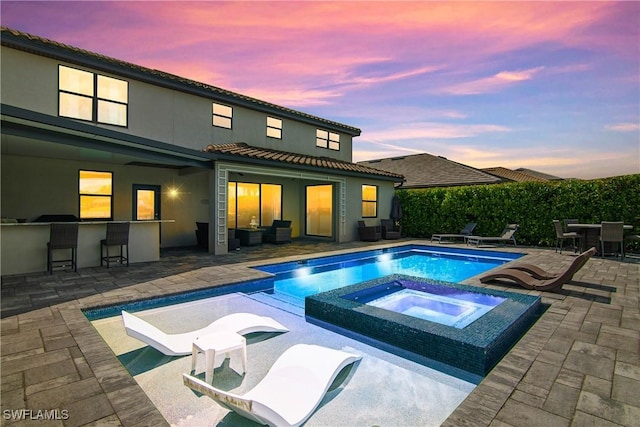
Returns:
(591, 234)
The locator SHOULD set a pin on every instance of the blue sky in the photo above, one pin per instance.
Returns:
(551, 86)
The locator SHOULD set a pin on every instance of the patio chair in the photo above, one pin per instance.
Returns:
(612, 232)
(369, 233)
(527, 281)
(389, 229)
(506, 236)
(63, 236)
(279, 232)
(290, 392)
(181, 343)
(568, 221)
(466, 231)
(561, 235)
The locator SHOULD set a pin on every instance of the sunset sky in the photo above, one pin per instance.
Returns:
(551, 86)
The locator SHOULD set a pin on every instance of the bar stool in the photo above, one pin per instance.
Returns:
(117, 235)
(63, 236)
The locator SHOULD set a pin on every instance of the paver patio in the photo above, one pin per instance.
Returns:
(578, 365)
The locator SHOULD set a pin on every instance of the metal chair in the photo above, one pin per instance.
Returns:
(117, 235)
(62, 236)
(612, 232)
(561, 235)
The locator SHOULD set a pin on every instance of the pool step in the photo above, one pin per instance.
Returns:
(282, 302)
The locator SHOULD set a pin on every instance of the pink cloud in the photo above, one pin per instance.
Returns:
(431, 130)
(494, 83)
(295, 45)
(623, 127)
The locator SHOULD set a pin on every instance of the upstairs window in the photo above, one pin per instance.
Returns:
(369, 201)
(326, 139)
(274, 128)
(222, 115)
(96, 194)
(92, 97)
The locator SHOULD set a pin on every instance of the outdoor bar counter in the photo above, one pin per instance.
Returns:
(24, 245)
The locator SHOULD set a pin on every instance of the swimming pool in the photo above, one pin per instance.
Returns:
(359, 266)
(300, 279)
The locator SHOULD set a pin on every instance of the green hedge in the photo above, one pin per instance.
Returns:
(531, 205)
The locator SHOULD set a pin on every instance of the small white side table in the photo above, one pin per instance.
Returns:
(218, 342)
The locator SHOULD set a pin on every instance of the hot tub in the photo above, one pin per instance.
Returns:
(475, 348)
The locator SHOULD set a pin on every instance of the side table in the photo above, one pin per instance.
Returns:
(217, 342)
(249, 236)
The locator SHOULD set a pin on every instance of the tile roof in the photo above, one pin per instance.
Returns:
(512, 175)
(246, 151)
(41, 46)
(539, 174)
(425, 170)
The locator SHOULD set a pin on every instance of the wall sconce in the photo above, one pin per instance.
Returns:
(173, 193)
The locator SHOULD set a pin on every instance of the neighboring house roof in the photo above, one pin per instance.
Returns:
(539, 174)
(512, 175)
(268, 156)
(41, 46)
(425, 170)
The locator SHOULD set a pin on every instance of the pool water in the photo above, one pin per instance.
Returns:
(436, 308)
(447, 305)
(299, 280)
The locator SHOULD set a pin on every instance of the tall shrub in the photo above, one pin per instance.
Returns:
(532, 205)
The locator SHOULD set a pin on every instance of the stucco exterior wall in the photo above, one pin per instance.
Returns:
(161, 114)
(33, 185)
(354, 204)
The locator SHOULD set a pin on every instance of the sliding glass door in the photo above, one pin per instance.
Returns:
(319, 210)
(253, 203)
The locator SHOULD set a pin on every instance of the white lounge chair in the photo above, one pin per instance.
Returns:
(290, 392)
(181, 344)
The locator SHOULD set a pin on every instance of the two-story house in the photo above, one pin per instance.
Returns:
(105, 140)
